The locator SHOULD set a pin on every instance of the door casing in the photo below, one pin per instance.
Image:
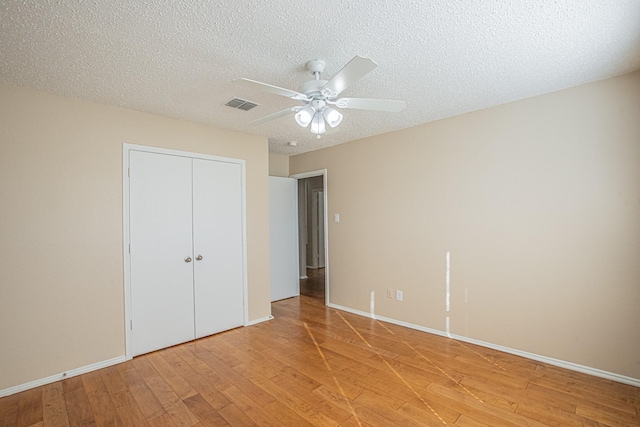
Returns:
(323, 173)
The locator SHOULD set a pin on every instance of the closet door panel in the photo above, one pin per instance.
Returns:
(161, 238)
(217, 234)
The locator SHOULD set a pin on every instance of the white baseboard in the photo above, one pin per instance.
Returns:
(551, 361)
(61, 376)
(304, 277)
(260, 320)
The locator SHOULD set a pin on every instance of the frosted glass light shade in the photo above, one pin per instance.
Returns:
(317, 124)
(333, 117)
(304, 116)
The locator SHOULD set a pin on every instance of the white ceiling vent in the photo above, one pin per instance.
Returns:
(241, 104)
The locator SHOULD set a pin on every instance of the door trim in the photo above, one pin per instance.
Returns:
(315, 225)
(126, 149)
(324, 175)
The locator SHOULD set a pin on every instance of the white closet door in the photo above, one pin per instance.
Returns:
(160, 236)
(217, 234)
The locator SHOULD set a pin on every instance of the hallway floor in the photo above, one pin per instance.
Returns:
(313, 286)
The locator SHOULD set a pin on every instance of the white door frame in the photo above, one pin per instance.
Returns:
(126, 149)
(315, 228)
(323, 174)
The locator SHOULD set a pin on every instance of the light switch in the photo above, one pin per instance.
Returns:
(336, 217)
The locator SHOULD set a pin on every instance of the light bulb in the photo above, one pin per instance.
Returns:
(304, 116)
(317, 124)
(333, 117)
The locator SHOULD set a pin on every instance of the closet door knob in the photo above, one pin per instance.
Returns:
(199, 258)
(187, 259)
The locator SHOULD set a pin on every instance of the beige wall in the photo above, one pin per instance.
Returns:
(61, 269)
(538, 202)
(278, 165)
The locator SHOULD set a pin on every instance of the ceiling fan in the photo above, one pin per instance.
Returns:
(320, 96)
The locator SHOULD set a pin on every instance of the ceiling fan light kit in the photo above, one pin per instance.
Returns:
(319, 94)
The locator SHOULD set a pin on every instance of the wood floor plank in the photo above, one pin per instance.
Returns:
(170, 401)
(591, 401)
(556, 417)
(313, 368)
(464, 421)
(204, 411)
(78, 407)
(113, 380)
(296, 404)
(128, 409)
(144, 397)
(54, 408)
(209, 392)
(164, 420)
(180, 365)
(177, 383)
(516, 395)
(72, 383)
(30, 408)
(589, 394)
(236, 417)
(607, 415)
(103, 410)
(268, 366)
(250, 408)
(144, 367)
(285, 415)
(434, 416)
(9, 409)
(238, 380)
(463, 402)
(387, 410)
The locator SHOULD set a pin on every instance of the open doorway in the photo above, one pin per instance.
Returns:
(312, 224)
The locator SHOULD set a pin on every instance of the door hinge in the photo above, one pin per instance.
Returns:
(129, 247)
(129, 172)
(131, 324)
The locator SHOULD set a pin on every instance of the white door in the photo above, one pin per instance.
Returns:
(283, 238)
(186, 248)
(217, 240)
(160, 237)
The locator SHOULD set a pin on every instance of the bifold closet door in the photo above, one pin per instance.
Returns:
(160, 218)
(217, 243)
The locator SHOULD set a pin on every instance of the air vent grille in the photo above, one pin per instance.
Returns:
(241, 104)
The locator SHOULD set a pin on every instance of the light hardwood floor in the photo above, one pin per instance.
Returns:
(313, 285)
(316, 366)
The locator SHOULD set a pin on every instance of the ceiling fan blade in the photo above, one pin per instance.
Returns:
(350, 73)
(265, 87)
(275, 115)
(389, 105)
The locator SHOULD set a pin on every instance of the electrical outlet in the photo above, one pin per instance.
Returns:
(389, 293)
(399, 295)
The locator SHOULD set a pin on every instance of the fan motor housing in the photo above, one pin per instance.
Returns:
(313, 88)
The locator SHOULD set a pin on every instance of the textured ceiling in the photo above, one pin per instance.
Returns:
(444, 57)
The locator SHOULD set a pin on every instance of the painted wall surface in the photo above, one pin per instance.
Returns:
(538, 204)
(61, 269)
(278, 165)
